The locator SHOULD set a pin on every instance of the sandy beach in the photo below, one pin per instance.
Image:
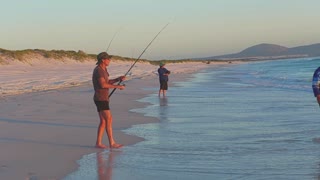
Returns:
(49, 121)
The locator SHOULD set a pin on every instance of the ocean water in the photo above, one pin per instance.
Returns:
(247, 121)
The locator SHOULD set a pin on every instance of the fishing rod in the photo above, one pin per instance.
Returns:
(114, 35)
(139, 57)
(112, 39)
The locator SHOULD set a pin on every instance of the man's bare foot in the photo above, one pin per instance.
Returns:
(116, 145)
(101, 146)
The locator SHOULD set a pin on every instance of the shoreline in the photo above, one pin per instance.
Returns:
(43, 134)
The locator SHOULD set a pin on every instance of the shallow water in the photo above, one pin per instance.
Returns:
(248, 121)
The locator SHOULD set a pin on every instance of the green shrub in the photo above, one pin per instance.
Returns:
(81, 56)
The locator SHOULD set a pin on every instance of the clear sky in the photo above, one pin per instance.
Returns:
(198, 28)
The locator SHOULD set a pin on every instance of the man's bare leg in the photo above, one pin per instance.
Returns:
(100, 132)
(108, 126)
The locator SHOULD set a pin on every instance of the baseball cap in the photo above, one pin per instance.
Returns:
(102, 56)
(162, 64)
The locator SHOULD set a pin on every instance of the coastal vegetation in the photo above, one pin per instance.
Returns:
(24, 56)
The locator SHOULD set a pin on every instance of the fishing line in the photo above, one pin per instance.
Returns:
(139, 57)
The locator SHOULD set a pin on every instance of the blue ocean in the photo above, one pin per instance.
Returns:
(249, 121)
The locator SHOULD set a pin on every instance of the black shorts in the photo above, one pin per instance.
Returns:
(102, 105)
(164, 85)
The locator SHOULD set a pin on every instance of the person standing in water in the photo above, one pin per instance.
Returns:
(101, 85)
(163, 78)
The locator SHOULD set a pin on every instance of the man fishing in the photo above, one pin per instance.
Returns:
(163, 78)
(101, 85)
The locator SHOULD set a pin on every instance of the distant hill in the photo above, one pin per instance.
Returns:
(272, 51)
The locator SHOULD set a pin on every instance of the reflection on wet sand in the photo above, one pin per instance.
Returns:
(163, 101)
(105, 162)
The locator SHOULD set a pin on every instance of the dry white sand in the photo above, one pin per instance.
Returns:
(48, 119)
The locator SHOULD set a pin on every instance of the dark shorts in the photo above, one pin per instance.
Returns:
(102, 105)
(164, 85)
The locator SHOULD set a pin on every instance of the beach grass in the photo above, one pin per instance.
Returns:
(22, 55)
(7, 56)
